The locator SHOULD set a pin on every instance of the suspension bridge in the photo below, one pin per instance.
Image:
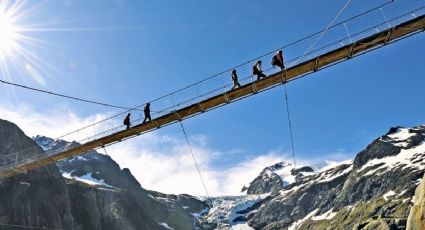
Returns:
(370, 30)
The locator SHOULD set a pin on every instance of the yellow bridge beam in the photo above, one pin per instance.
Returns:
(333, 57)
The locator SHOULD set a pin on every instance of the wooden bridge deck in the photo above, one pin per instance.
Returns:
(346, 52)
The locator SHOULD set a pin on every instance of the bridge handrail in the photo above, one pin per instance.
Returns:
(347, 32)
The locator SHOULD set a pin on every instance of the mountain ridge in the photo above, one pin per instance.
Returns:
(372, 191)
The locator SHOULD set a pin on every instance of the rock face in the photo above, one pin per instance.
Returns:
(271, 179)
(374, 191)
(95, 180)
(26, 199)
(274, 178)
(416, 219)
(84, 192)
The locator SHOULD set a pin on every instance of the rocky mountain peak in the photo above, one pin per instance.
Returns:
(391, 144)
(275, 177)
(114, 194)
(278, 166)
(296, 171)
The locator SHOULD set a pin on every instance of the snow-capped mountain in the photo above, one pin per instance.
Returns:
(100, 172)
(374, 191)
(275, 177)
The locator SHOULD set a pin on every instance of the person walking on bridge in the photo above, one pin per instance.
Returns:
(277, 60)
(147, 112)
(127, 121)
(258, 71)
(235, 80)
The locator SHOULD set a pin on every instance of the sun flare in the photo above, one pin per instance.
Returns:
(18, 46)
(8, 32)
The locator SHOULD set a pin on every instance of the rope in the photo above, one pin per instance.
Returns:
(65, 96)
(104, 149)
(211, 83)
(285, 88)
(324, 31)
(196, 163)
(289, 122)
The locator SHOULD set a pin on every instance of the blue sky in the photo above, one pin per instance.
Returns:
(130, 52)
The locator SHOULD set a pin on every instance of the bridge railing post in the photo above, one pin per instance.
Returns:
(348, 33)
(385, 17)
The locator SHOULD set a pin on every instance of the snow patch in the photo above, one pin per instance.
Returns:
(405, 159)
(388, 194)
(87, 178)
(325, 177)
(325, 216)
(165, 225)
(401, 134)
(283, 170)
(241, 227)
(402, 192)
(400, 138)
(334, 164)
(404, 200)
(81, 158)
(225, 209)
(349, 207)
(107, 189)
(201, 213)
(24, 183)
(285, 175)
(298, 223)
(78, 158)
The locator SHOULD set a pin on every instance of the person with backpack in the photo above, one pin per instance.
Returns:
(127, 121)
(147, 112)
(235, 80)
(258, 71)
(277, 60)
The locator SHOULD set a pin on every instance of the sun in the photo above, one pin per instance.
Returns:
(19, 56)
(9, 35)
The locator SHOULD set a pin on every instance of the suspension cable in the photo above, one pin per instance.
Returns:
(104, 149)
(196, 163)
(324, 31)
(305, 53)
(180, 104)
(65, 96)
(289, 122)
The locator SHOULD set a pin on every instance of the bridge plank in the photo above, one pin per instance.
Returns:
(374, 41)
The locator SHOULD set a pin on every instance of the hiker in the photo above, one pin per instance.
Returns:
(127, 121)
(235, 79)
(257, 70)
(277, 60)
(147, 111)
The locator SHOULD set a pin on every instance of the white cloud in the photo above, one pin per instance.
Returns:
(159, 162)
(52, 123)
(171, 169)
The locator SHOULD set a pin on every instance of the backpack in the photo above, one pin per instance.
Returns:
(274, 61)
(255, 70)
